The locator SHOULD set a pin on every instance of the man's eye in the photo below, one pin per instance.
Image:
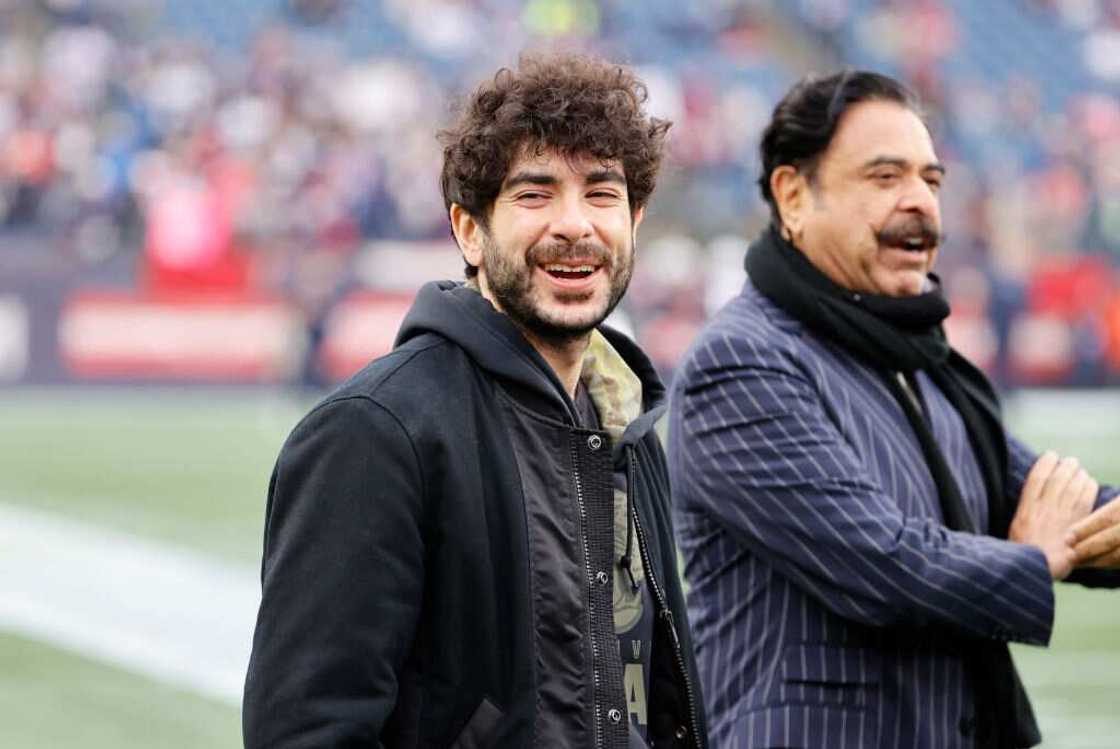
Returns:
(531, 196)
(604, 195)
(885, 177)
(934, 183)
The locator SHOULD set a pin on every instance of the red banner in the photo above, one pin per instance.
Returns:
(208, 338)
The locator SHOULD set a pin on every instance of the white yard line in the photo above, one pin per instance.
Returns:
(163, 612)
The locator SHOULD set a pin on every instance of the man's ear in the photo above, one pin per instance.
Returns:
(636, 218)
(468, 233)
(791, 194)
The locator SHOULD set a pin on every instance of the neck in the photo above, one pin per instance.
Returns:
(824, 263)
(564, 356)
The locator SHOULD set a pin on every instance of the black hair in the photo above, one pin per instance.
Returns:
(806, 118)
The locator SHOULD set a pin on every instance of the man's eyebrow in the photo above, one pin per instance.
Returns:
(933, 166)
(606, 175)
(546, 179)
(529, 178)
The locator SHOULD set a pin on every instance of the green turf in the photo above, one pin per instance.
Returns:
(50, 698)
(1074, 684)
(192, 468)
(189, 467)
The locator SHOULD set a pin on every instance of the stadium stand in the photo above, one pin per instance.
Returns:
(276, 159)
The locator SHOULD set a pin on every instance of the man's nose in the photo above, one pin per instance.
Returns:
(920, 197)
(571, 222)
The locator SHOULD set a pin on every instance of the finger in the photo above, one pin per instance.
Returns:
(1089, 495)
(1104, 542)
(1076, 486)
(1102, 518)
(1058, 481)
(1076, 496)
(1104, 561)
(1036, 478)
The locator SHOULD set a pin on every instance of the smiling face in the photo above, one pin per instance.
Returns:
(870, 219)
(558, 251)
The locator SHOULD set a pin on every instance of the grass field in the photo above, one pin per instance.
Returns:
(190, 469)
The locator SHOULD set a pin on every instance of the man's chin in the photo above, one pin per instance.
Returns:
(566, 323)
(572, 326)
(904, 283)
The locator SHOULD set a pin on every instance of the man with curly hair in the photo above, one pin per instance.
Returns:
(468, 543)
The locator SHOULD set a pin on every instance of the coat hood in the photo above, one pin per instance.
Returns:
(460, 314)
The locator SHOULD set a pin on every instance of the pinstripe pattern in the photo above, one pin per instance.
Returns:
(827, 601)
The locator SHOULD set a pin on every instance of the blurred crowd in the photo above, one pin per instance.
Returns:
(278, 145)
(1022, 95)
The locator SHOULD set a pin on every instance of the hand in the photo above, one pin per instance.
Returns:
(1056, 494)
(1097, 538)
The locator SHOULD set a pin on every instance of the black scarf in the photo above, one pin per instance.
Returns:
(903, 335)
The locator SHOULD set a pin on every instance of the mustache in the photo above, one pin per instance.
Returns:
(560, 251)
(896, 233)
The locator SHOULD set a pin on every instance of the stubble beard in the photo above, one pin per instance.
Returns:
(510, 281)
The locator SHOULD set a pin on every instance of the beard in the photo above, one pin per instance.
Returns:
(510, 277)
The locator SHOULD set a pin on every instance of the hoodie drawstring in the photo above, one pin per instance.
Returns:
(627, 560)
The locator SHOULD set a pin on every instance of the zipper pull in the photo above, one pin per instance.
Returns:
(667, 615)
(624, 562)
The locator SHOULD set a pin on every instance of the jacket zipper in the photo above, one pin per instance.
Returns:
(665, 612)
(590, 596)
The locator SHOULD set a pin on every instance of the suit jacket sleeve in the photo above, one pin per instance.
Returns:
(761, 455)
(1021, 458)
(342, 581)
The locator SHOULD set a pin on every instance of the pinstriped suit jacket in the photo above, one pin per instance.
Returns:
(828, 602)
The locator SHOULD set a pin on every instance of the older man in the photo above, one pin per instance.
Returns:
(861, 536)
(468, 543)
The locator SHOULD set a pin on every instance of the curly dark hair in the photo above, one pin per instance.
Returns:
(806, 118)
(577, 105)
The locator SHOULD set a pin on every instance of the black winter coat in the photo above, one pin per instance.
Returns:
(433, 533)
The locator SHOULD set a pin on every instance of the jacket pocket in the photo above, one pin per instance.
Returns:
(476, 734)
(830, 675)
(805, 727)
